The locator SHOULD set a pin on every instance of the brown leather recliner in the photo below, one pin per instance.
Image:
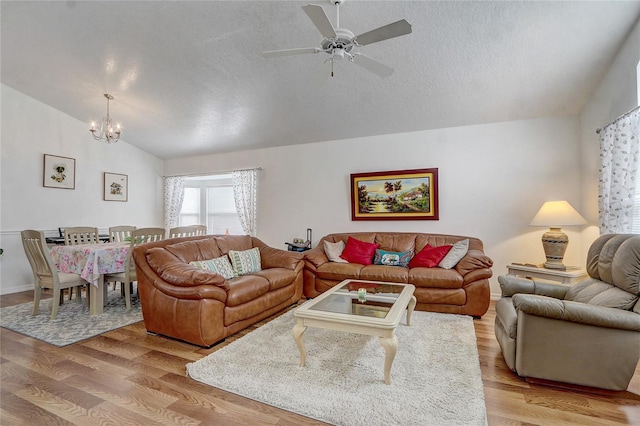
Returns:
(587, 334)
(202, 307)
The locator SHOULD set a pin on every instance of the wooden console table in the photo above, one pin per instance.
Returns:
(569, 277)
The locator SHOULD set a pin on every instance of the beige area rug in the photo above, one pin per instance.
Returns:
(435, 377)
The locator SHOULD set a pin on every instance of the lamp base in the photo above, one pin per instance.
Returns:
(554, 242)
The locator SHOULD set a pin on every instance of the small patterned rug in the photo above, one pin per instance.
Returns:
(73, 322)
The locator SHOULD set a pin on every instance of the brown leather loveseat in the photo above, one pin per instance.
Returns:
(463, 289)
(199, 306)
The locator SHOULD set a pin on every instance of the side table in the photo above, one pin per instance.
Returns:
(569, 277)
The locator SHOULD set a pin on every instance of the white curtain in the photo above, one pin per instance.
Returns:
(173, 197)
(619, 155)
(244, 193)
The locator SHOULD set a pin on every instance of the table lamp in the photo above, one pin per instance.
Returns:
(556, 214)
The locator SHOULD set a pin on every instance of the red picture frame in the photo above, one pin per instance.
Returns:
(395, 195)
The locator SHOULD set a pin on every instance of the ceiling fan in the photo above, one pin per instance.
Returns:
(339, 43)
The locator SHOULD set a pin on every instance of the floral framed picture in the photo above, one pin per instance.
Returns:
(59, 172)
(395, 195)
(116, 187)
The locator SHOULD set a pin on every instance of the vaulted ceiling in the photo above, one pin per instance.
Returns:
(188, 77)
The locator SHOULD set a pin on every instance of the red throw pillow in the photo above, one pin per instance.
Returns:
(357, 251)
(429, 257)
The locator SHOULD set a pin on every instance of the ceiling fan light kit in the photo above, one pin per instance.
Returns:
(340, 42)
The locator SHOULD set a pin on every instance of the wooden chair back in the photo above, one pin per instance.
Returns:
(81, 235)
(120, 234)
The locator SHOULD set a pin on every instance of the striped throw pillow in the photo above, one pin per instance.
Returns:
(219, 265)
(245, 262)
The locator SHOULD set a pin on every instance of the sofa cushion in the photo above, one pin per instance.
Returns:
(246, 261)
(334, 250)
(277, 277)
(392, 258)
(339, 271)
(429, 257)
(245, 289)
(233, 242)
(596, 292)
(219, 265)
(195, 250)
(357, 251)
(396, 241)
(457, 252)
(395, 274)
(435, 277)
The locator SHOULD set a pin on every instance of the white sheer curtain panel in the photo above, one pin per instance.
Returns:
(173, 197)
(245, 195)
(619, 155)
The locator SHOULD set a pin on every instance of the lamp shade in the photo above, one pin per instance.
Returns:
(557, 214)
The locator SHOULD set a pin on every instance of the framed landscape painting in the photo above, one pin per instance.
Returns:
(395, 195)
(59, 172)
(115, 187)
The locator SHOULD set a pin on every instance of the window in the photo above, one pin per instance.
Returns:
(209, 200)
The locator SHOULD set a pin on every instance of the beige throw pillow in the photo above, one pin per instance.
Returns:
(334, 250)
(457, 252)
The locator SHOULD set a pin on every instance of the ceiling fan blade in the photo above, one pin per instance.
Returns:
(290, 52)
(320, 20)
(396, 29)
(372, 65)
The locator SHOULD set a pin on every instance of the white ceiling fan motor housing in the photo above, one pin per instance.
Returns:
(344, 41)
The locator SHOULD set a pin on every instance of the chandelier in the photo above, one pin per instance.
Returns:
(107, 133)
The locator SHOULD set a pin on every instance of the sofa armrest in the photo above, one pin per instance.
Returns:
(583, 313)
(510, 285)
(275, 258)
(473, 260)
(315, 256)
(178, 273)
(197, 292)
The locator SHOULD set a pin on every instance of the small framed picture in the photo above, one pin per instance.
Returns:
(116, 187)
(59, 172)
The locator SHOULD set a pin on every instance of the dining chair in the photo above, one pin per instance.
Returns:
(120, 234)
(186, 231)
(200, 229)
(81, 235)
(45, 274)
(128, 276)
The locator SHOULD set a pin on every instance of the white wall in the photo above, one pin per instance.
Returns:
(492, 180)
(616, 94)
(31, 129)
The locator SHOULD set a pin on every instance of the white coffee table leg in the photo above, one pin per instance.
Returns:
(298, 331)
(390, 345)
(410, 308)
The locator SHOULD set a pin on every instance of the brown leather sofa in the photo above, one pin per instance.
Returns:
(587, 334)
(202, 307)
(461, 290)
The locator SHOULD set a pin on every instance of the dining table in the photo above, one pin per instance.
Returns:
(92, 262)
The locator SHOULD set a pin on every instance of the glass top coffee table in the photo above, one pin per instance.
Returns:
(364, 307)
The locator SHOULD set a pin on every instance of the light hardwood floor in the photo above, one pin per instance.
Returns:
(129, 377)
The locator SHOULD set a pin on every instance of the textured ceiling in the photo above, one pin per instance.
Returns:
(188, 77)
